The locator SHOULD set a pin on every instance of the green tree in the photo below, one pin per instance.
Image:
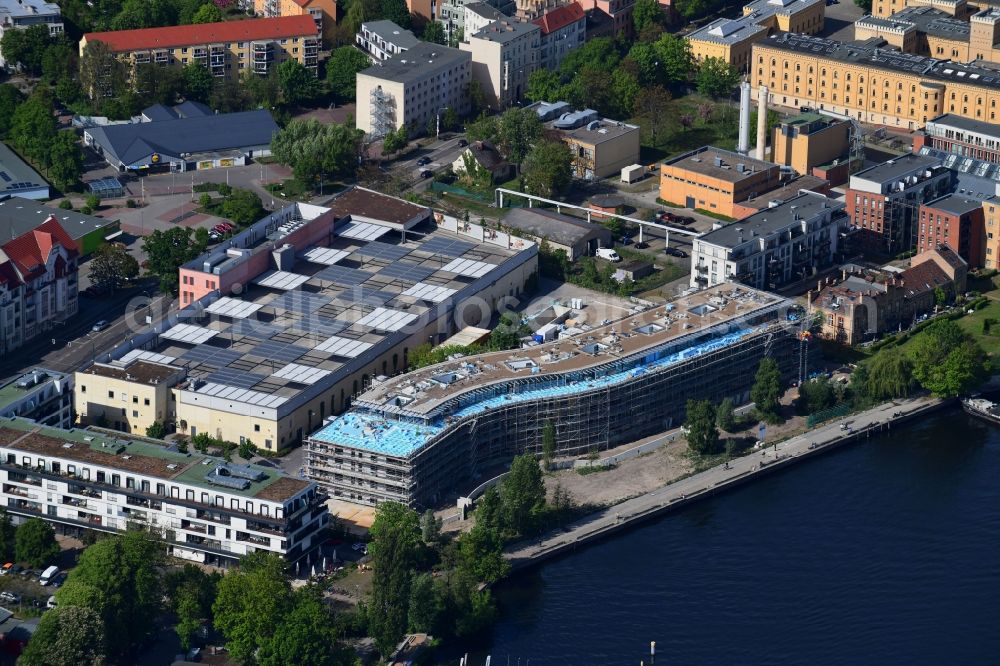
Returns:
(397, 12)
(888, 375)
(298, 84)
(26, 47)
(235, 95)
(59, 61)
(156, 430)
(717, 78)
(243, 207)
(247, 449)
(166, 251)
(489, 510)
(433, 32)
(341, 71)
(304, 635)
(816, 395)
(766, 389)
(65, 160)
(548, 169)
(702, 436)
(652, 111)
(430, 527)
(33, 128)
(517, 130)
(249, 602)
(646, 62)
(312, 148)
(725, 416)
(7, 536)
(425, 605)
(483, 128)
(395, 141)
(155, 84)
(207, 13)
(626, 89)
(506, 335)
(35, 543)
(67, 636)
(478, 101)
(543, 85)
(395, 536)
(548, 443)
(197, 82)
(946, 361)
(675, 57)
(481, 554)
(102, 75)
(10, 98)
(647, 12)
(189, 616)
(118, 577)
(449, 120)
(940, 296)
(522, 495)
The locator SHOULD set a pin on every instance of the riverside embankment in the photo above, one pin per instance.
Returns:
(718, 479)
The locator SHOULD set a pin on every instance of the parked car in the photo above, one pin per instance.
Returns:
(423, 161)
(626, 240)
(6, 568)
(10, 596)
(51, 603)
(426, 173)
(675, 252)
(462, 143)
(59, 580)
(16, 569)
(100, 326)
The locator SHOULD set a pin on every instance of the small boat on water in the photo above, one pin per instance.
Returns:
(983, 408)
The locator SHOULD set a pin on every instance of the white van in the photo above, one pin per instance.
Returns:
(48, 575)
(51, 603)
(609, 254)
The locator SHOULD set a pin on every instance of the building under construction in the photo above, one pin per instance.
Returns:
(418, 437)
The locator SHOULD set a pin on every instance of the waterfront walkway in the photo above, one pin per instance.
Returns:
(711, 481)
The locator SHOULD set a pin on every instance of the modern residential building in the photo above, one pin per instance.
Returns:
(771, 248)
(883, 201)
(871, 83)
(478, 15)
(19, 179)
(227, 49)
(958, 222)
(963, 136)
(44, 396)
(284, 324)
(205, 509)
(425, 435)
(413, 89)
(809, 140)
(866, 303)
(991, 214)
(563, 29)
(38, 284)
(504, 54)
(731, 40)
(789, 189)
(576, 237)
(19, 216)
(714, 179)
(383, 39)
(452, 15)
(193, 142)
(322, 12)
(600, 147)
(22, 14)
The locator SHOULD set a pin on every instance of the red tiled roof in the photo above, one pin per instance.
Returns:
(29, 252)
(924, 277)
(206, 33)
(560, 17)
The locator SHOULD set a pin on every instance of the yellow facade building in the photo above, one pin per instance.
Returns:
(322, 12)
(227, 49)
(731, 40)
(870, 84)
(957, 8)
(715, 180)
(127, 397)
(991, 215)
(810, 140)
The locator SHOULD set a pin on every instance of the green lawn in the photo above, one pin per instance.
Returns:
(973, 325)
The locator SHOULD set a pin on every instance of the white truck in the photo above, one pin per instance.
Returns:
(632, 173)
(48, 575)
(609, 254)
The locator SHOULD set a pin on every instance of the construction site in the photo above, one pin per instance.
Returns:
(421, 437)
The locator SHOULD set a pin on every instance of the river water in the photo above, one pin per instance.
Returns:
(886, 552)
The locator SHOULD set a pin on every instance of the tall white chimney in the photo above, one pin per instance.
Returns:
(744, 142)
(762, 123)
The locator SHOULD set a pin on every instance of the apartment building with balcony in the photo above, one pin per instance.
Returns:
(38, 283)
(322, 12)
(967, 137)
(204, 509)
(382, 40)
(504, 54)
(22, 14)
(563, 30)
(227, 49)
(42, 395)
(774, 247)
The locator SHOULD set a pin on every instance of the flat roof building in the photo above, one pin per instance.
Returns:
(602, 147)
(809, 140)
(956, 221)
(19, 179)
(382, 40)
(303, 310)
(192, 142)
(42, 395)
(424, 435)
(504, 54)
(577, 238)
(410, 89)
(773, 247)
(715, 179)
(205, 509)
(19, 216)
(962, 136)
(22, 14)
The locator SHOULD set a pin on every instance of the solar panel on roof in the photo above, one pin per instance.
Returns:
(278, 351)
(343, 275)
(211, 356)
(346, 347)
(233, 307)
(468, 267)
(384, 319)
(365, 296)
(377, 250)
(402, 270)
(365, 231)
(281, 280)
(302, 374)
(299, 301)
(254, 328)
(429, 292)
(194, 335)
(321, 326)
(325, 255)
(236, 378)
(242, 395)
(448, 247)
(143, 355)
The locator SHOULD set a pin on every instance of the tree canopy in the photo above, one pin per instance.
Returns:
(112, 267)
(167, 250)
(341, 71)
(249, 602)
(313, 149)
(888, 375)
(766, 389)
(717, 78)
(35, 543)
(946, 361)
(548, 169)
(395, 536)
(703, 435)
(67, 636)
(522, 494)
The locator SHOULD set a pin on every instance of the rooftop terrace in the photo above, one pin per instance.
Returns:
(400, 416)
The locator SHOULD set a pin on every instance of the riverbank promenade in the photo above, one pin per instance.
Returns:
(771, 458)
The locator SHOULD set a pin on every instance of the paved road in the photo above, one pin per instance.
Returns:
(616, 517)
